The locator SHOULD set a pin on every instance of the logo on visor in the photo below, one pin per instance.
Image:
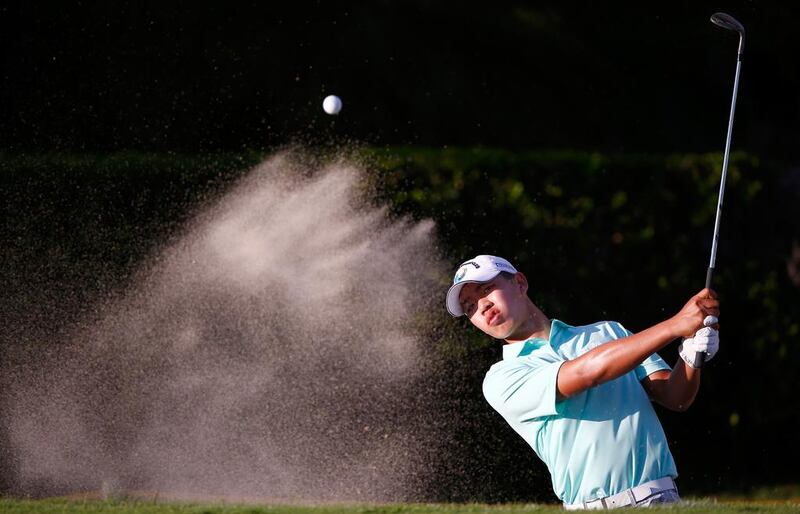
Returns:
(463, 271)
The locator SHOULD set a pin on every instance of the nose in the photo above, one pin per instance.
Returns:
(484, 305)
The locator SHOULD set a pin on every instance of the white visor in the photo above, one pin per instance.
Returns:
(482, 268)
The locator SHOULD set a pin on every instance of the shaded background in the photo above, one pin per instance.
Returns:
(587, 125)
(172, 75)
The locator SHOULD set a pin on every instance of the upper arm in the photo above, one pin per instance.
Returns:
(657, 384)
(674, 389)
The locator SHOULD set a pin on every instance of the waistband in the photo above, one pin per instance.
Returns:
(627, 497)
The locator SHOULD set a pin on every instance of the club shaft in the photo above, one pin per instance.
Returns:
(701, 357)
(725, 159)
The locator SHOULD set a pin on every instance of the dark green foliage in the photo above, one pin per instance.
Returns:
(628, 237)
(623, 237)
(92, 218)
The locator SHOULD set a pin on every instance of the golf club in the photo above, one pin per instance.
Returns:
(725, 21)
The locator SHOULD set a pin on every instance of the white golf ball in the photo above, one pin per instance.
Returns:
(332, 104)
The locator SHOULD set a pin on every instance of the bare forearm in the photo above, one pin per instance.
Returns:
(613, 359)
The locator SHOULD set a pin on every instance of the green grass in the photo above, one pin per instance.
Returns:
(61, 506)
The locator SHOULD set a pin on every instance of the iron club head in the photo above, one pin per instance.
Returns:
(726, 21)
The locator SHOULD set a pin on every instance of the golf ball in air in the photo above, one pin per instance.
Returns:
(332, 104)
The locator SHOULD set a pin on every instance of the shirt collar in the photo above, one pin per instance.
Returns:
(523, 348)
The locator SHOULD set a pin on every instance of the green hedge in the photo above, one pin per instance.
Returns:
(628, 237)
(623, 237)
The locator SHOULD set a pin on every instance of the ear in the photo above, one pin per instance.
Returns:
(522, 283)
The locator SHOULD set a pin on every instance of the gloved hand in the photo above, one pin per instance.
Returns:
(705, 340)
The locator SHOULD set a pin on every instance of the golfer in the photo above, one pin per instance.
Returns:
(580, 396)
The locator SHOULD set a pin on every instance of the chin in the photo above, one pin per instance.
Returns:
(491, 333)
(499, 332)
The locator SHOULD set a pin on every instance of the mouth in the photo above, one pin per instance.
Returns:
(493, 318)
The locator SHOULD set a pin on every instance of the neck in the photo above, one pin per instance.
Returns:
(535, 325)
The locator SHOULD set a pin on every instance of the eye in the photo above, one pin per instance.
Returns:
(469, 308)
(488, 288)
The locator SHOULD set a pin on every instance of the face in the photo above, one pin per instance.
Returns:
(497, 307)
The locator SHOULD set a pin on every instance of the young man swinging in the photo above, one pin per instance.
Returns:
(581, 396)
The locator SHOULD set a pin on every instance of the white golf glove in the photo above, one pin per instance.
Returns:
(705, 340)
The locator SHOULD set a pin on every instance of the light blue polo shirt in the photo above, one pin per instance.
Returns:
(596, 443)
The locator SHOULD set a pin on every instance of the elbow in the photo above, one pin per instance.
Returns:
(680, 407)
(576, 376)
(592, 373)
(596, 367)
(679, 404)
(597, 371)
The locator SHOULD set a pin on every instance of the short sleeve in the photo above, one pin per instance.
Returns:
(523, 389)
(648, 366)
